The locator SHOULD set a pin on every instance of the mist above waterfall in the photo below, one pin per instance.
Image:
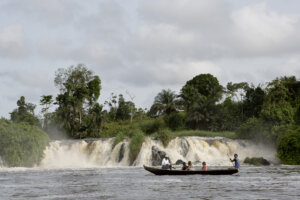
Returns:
(100, 153)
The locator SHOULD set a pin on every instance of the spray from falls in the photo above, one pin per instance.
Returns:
(101, 153)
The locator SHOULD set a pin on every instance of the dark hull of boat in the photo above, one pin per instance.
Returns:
(158, 171)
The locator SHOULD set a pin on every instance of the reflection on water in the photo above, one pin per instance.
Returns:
(275, 182)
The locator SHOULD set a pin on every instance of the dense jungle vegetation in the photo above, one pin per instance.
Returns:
(268, 113)
(21, 144)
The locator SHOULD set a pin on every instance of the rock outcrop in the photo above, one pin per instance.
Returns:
(184, 147)
(157, 156)
(121, 152)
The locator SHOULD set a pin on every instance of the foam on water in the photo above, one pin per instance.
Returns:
(100, 153)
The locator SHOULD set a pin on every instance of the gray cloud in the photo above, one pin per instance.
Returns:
(51, 12)
(144, 46)
(263, 32)
(12, 42)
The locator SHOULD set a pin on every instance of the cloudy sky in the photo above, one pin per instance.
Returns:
(143, 46)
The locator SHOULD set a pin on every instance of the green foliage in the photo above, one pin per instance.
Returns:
(200, 96)
(281, 113)
(93, 89)
(297, 116)
(203, 86)
(202, 133)
(165, 102)
(94, 121)
(152, 125)
(119, 138)
(46, 101)
(257, 161)
(112, 129)
(21, 144)
(175, 120)
(120, 109)
(253, 128)
(135, 145)
(275, 110)
(253, 102)
(24, 113)
(140, 114)
(80, 90)
(293, 89)
(227, 116)
(288, 146)
(123, 111)
(125, 131)
(112, 103)
(201, 114)
(165, 136)
(234, 88)
(259, 130)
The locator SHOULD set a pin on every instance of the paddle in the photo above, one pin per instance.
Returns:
(230, 160)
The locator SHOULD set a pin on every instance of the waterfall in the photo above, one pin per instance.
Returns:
(1, 162)
(101, 153)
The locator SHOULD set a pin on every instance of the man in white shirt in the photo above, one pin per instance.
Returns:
(165, 164)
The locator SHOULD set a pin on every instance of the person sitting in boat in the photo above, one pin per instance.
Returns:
(189, 165)
(165, 164)
(236, 161)
(204, 167)
(184, 166)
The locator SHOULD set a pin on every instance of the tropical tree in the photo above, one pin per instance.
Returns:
(200, 96)
(253, 102)
(125, 109)
(79, 92)
(165, 102)
(132, 107)
(277, 109)
(94, 120)
(288, 146)
(24, 113)
(237, 90)
(227, 116)
(21, 144)
(46, 101)
(293, 87)
(140, 114)
(112, 103)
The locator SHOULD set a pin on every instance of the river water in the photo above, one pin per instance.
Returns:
(274, 182)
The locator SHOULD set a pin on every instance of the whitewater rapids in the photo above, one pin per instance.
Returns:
(100, 153)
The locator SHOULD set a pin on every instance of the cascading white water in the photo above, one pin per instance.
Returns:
(99, 153)
(1, 162)
(83, 154)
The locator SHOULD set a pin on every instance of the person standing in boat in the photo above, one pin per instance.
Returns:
(204, 167)
(236, 161)
(165, 164)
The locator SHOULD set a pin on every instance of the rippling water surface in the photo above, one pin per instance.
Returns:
(276, 182)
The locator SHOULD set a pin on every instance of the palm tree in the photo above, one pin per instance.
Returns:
(165, 102)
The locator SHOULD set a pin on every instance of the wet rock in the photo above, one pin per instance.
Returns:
(210, 142)
(179, 162)
(121, 152)
(256, 161)
(185, 146)
(157, 156)
(197, 162)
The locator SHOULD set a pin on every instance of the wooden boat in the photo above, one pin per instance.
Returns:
(158, 171)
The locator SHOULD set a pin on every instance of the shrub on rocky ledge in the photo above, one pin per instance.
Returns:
(257, 161)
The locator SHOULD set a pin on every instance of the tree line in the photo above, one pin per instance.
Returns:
(263, 112)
